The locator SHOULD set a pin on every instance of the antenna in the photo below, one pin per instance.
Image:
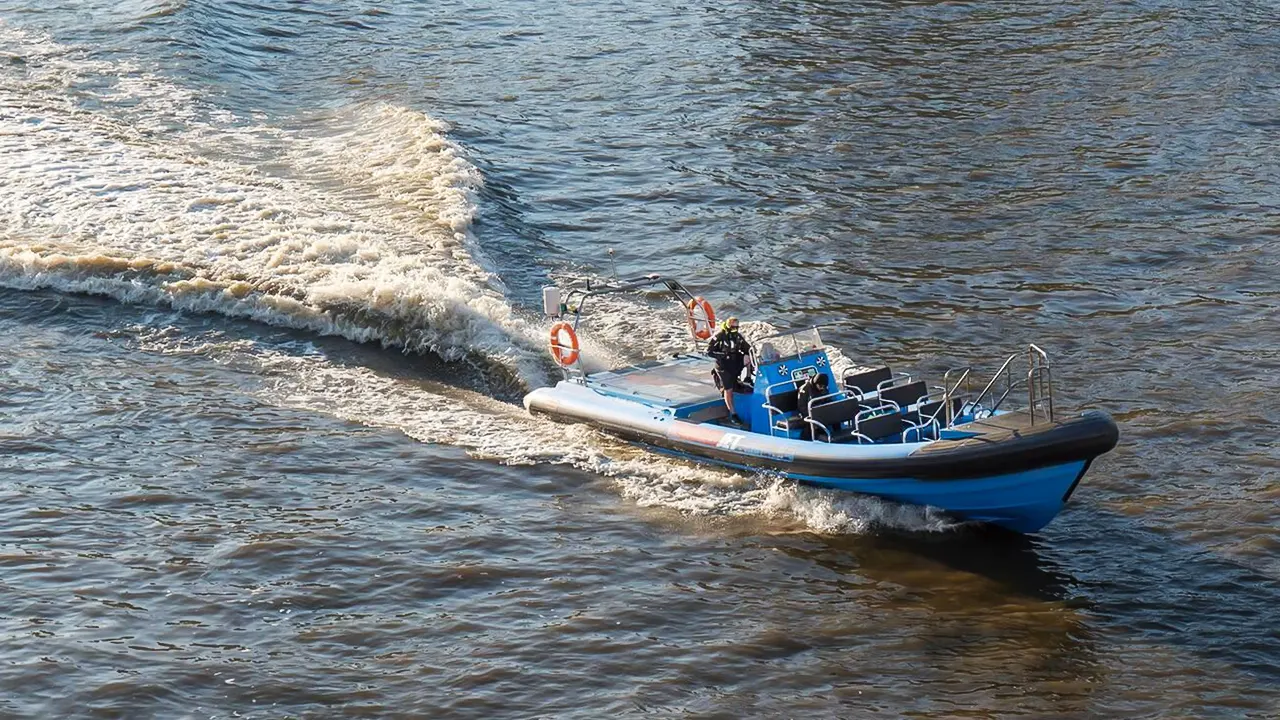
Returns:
(614, 261)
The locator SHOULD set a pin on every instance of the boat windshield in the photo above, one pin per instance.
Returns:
(788, 344)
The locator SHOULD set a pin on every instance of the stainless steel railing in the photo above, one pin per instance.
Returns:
(1038, 381)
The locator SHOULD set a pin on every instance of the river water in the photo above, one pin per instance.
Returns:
(269, 281)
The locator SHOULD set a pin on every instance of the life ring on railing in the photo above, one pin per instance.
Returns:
(703, 327)
(564, 354)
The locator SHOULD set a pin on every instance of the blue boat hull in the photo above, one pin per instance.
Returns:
(1022, 501)
(1001, 470)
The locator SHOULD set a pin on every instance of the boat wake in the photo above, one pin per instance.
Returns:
(308, 378)
(355, 223)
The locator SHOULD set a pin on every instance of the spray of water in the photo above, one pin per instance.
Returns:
(118, 182)
(362, 230)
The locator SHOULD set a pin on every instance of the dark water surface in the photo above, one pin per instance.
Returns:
(268, 288)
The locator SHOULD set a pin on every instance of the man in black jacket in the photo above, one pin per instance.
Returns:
(730, 351)
(815, 386)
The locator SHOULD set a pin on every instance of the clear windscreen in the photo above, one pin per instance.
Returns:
(788, 344)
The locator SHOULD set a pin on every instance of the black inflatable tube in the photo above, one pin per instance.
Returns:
(1083, 437)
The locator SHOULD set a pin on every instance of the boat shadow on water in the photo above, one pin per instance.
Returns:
(967, 558)
(976, 604)
(1075, 601)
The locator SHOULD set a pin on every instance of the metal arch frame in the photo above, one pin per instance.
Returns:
(575, 301)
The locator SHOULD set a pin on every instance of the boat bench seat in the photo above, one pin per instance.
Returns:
(865, 382)
(872, 429)
(934, 410)
(828, 419)
(788, 423)
(850, 418)
(871, 385)
(784, 404)
(904, 396)
(926, 420)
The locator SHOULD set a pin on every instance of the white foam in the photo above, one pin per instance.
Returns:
(505, 433)
(364, 233)
(362, 229)
(501, 432)
(118, 182)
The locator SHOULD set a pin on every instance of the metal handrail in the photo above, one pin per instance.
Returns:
(817, 402)
(1039, 380)
(949, 390)
(964, 378)
(1013, 384)
(1003, 369)
(768, 400)
(892, 382)
(1038, 398)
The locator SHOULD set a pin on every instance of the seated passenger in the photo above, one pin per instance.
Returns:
(814, 387)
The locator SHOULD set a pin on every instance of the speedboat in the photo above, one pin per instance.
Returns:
(1000, 454)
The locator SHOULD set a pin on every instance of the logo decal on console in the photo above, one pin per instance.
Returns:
(804, 373)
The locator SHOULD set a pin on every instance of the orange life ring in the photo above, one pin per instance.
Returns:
(566, 355)
(702, 328)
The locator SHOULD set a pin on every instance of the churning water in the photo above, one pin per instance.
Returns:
(269, 282)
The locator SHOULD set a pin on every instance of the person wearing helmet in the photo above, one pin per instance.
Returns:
(730, 351)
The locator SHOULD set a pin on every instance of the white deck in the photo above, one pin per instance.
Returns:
(682, 381)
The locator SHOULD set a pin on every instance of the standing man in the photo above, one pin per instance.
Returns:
(730, 351)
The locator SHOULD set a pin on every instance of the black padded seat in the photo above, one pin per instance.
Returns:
(927, 410)
(905, 395)
(866, 381)
(833, 415)
(782, 404)
(784, 401)
(789, 422)
(879, 427)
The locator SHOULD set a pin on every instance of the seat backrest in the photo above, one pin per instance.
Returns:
(785, 401)
(867, 380)
(905, 395)
(880, 426)
(928, 409)
(925, 412)
(833, 413)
